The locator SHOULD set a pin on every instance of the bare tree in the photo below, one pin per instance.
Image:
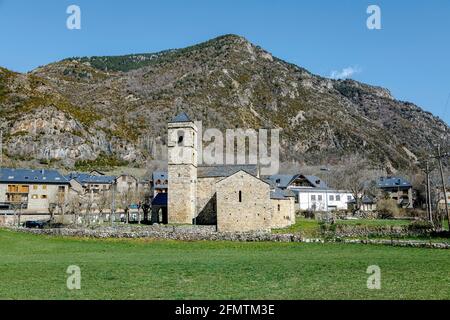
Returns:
(17, 212)
(52, 208)
(127, 198)
(103, 202)
(88, 204)
(75, 205)
(356, 176)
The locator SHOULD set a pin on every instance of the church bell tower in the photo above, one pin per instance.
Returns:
(182, 167)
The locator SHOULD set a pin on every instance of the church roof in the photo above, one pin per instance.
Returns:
(182, 117)
(225, 171)
(280, 194)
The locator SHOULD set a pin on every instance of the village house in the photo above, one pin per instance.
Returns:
(398, 189)
(31, 191)
(233, 197)
(126, 182)
(312, 193)
(367, 204)
(93, 184)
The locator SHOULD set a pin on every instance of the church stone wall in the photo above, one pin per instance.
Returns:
(283, 213)
(206, 200)
(250, 212)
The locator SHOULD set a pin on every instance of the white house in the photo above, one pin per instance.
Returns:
(312, 193)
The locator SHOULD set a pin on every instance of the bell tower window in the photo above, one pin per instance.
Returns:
(180, 137)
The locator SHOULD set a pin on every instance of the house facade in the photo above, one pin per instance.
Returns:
(398, 189)
(31, 191)
(126, 182)
(312, 193)
(91, 184)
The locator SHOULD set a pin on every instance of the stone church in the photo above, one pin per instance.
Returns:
(233, 197)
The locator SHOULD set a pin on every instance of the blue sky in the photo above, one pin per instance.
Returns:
(410, 55)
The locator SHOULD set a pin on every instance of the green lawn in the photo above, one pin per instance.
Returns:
(33, 267)
(311, 227)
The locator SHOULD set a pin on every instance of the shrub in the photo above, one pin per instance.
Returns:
(387, 209)
(309, 214)
(420, 225)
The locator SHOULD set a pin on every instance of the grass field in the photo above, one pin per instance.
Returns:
(34, 267)
(311, 227)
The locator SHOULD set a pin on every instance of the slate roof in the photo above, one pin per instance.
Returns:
(284, 180)
(31, 176)
(225, 171)
(182, 117)
(393, 182)
(281, 180)
(279, 194)
(160, 200)
(86, 178)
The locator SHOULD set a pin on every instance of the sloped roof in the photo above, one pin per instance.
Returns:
(86, 178)
(284, 180)
(31, 176)
(393, 182)
(280, 194)
(159, 175)
(243, 171)
(182, 117)
(225, 171)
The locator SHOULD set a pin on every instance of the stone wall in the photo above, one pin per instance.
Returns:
(251, 211)
(348, 231)
(283, 213)
(182, 193)
(206, 200)
(208, 233)
(182, 233)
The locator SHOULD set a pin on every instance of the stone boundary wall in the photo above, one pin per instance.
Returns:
(349, 231)
(208, 233)
(199, 233)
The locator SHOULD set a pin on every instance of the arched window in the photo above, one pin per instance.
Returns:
(180, 137)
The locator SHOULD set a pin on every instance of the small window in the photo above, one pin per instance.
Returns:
(349, 198)
(44, 196)
(279, 208)
(313, 197)
(240, 196)
(34, 196)
(338, 198)
(180, 137)
(35, 187)
(44, 187)
(331, 198)
(319, 197)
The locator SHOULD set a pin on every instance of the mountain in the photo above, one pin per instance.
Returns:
(89, 111)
